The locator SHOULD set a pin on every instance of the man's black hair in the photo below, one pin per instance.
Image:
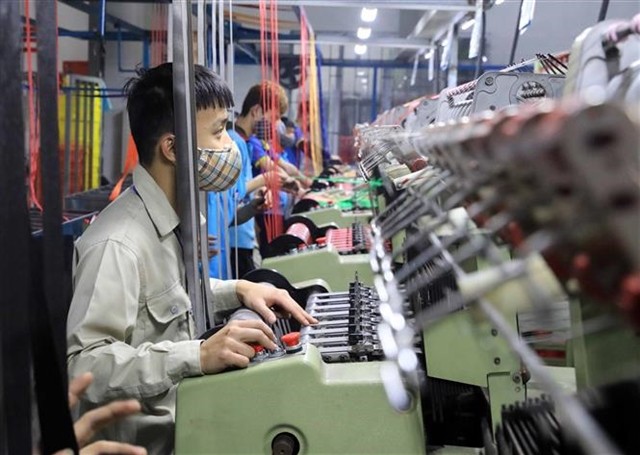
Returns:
(259, 95)
(150, 103)
(253, 98)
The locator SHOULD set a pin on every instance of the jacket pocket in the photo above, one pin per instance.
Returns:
(169, 304)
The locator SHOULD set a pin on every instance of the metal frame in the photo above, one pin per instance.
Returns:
(388, 4)
(185, 143)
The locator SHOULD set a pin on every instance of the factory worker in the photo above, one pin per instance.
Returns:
(130, 322)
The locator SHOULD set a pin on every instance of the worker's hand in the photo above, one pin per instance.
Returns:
(262, 199)
(231, 345)
(211, 247)
(93, 421)
(277, 175)
(612, 32)
(292, 186)
(212, 250)
(305, 181)
(261, 298)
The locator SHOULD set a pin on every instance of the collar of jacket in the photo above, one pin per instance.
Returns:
(162, 215)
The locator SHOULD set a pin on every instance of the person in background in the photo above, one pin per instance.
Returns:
(295, 149)
(130, 322)
(246, 198)
(253, 121)
(252, 115)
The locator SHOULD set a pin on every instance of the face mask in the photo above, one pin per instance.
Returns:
(262, 129)
(218, 169)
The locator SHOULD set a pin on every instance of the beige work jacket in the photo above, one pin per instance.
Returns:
(130, 321)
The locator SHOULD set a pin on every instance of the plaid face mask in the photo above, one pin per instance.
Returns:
(218, 169)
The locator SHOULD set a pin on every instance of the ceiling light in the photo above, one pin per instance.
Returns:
(444, 43)
(360, 49)
(368, 14)
(360, 72)
(468, 24)
(364, 80)
(484, 59)
(499, 2)
(428, 55)
(364, 32)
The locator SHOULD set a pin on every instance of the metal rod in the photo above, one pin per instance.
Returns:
(516, 35)
(103, 17)
(374, 94)
(85, 136)
(604, 7)
(231, 57)
(201, 32)
(76, 146)
(92, 149)
(214, 54)
(67, 142)
(184, 97)
(221, 68)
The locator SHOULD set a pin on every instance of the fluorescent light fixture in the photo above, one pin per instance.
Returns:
(360, 49)
(468, 24)
(360, 73)
(428, 55)
(484, 59)
(444, 43)
(368, 14)
(364, 80)
(499, 2)
(364, 32)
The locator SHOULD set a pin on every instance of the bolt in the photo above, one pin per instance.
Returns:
(496, 360)
(518, 389)
(494, 332)
(516, 378)
(488, 81)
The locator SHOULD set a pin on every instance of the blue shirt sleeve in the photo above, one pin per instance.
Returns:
(258, 152)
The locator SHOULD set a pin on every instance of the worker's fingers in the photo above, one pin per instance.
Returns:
(285, 304)
(78, 386)
(239, 347)
(259, 305)
(233, 359)
(93, 421)
(244, 330)
(247, 335)
(112, 447)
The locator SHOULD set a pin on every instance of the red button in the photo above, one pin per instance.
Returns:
(258, 348)
(321, 241)
(291, 339)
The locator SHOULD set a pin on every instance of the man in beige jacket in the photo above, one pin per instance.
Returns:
(130, 321)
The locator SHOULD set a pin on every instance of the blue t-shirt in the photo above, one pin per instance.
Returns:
(291, 154)
(244, 235)
(221, 209)
(257, 151)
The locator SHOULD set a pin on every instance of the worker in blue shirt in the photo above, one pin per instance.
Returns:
(233, 227)
(247, 125)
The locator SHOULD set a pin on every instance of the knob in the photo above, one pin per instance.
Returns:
(291, 342)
